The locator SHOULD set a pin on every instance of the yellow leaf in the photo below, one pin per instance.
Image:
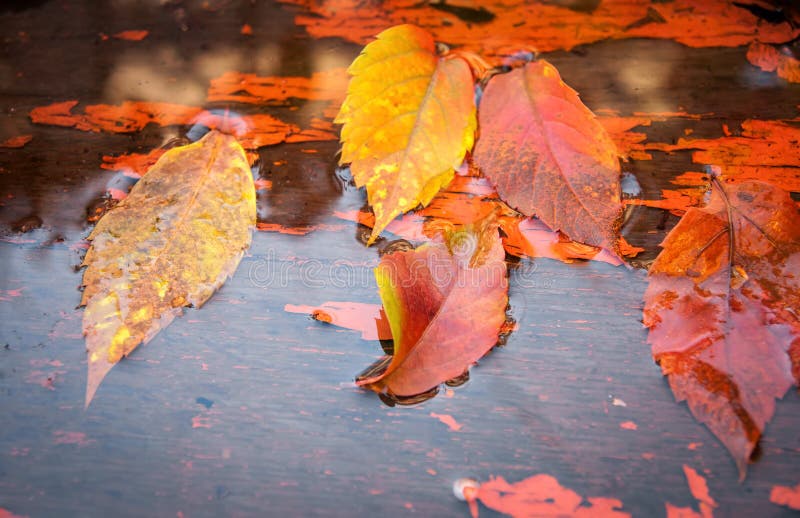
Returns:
(408, 119)
(172, 242)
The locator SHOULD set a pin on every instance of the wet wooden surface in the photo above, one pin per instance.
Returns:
(242, 409)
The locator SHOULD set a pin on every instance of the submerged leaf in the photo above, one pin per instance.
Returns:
(409, 119)
(721, 308)
(548, 155)
(446, 305)
(172, 242)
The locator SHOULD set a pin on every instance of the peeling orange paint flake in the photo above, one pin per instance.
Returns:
(786, 496)
(79, 438)
(628, 425)
(132, 35)
(246, 30)
(770, 59)
(449, 420)
(699, 489)
(330, 85)
(539, 495)
(369, 319)
(16, 142)
(547, 26)
(133, 165)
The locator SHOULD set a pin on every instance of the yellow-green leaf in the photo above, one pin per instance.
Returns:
(172, 242)
(408, 120)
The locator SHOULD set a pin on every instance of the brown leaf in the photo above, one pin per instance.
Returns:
(721, 308)
(172, 242)
(548, 155)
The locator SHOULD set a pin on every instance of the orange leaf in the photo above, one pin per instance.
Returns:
(431, 295)
(718, 308)
(171, 243)
(548, 155)
(408, 119)
(367, 318)
(541, 496)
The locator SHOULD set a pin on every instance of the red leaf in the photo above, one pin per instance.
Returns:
(541, 496)
(720, 310)
(445, 309)
(784, 495)
(548, 155)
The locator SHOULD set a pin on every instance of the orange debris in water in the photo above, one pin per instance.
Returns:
(448, 420)
(787, 496)
(16, 142)
(329, 85)
(367, 318)
(134, 165)
(539, 495)
(547, 26)
(132, 35)
(770, 59)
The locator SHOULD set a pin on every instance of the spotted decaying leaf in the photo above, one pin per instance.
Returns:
(445, 303)
(721, 307)
(408, 120)
(172, 242)
(548, 155)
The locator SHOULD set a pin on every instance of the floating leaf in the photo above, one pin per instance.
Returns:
(171, 243)
(446, 304)
(409, 119)
(548, 155)
(721, 310)
(540, 495)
